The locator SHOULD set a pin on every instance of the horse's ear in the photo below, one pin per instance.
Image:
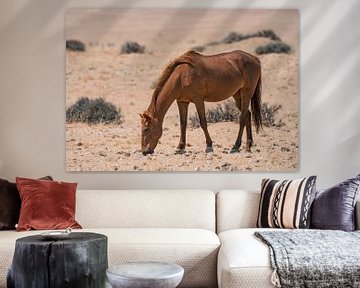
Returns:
(147, 115)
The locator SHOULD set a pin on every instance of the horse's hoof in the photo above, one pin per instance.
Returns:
(234, 150)
(148, 152)
(209, 149)
(180, 151)
(248, 148)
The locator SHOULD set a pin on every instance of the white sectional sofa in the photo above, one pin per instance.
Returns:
(145, 225)
(210, 235)
(243, 260)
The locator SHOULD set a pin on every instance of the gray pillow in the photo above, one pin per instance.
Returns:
(334, 208)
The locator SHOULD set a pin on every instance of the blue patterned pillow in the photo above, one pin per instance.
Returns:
(334, 208)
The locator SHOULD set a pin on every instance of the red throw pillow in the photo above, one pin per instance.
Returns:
(10, 204)
(46, 204)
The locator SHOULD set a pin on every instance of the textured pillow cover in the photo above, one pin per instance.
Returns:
(334, 208)
(286, 204)
(10, 204)
(46, 204)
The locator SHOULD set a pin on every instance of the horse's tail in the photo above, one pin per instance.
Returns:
(256, 105)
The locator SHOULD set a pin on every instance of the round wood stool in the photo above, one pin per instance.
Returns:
(79, 260)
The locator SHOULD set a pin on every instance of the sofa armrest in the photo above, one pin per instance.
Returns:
(357, 215)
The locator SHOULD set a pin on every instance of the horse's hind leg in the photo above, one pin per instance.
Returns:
(183, 112)
(249, 136)
(200, 107)
(243, 102)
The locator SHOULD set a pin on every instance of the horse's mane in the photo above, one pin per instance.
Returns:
(183, 59)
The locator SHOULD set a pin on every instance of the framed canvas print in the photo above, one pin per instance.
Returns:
(182, 89)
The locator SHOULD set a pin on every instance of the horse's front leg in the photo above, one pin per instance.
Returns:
(200, 107)
(183, 113)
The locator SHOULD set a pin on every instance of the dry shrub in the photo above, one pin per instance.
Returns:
(75, 45)
(225, 112)
(93, 111)
(132, 47)
(199, 48)
(228, 112)
(268, 115)
(276, 47)
(236, 37)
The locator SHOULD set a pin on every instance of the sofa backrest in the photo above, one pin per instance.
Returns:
(236, 209)
(146, 209)
(239, 209)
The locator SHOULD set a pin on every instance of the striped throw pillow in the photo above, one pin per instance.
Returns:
(286, 204)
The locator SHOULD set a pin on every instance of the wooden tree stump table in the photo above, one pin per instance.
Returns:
(78, 261)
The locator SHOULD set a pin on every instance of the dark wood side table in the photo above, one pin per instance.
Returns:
(79, 261)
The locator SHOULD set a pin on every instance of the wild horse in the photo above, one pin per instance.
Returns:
(198, 78)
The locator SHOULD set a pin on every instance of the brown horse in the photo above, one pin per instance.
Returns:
(198, 78)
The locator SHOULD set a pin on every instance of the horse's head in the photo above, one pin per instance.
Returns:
(151, 131)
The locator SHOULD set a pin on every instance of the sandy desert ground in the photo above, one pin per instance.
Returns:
(127, 81)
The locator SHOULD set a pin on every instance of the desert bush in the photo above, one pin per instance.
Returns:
(228, 112)
(132, 47)
(233, 37)
(267, 34)
(236, 37)
(199, 48)
(75, 45)
(194, 121)
(212, 43)
(268, 113)
(93, 111)
(225, 112)
(276, 47)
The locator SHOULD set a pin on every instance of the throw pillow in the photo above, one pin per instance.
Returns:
(334, 208)
(10, 203)
(46, 204)
(286, 204)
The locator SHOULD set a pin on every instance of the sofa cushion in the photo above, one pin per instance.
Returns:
(46, 204)
(286, 204)
(334, 208)
(146, 209)
(196, 250)
(236, 209)
(244, 260)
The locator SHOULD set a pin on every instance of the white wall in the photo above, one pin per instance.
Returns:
(32, 93)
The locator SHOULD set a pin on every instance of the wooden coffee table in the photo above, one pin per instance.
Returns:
(145, 275)
(79, 260)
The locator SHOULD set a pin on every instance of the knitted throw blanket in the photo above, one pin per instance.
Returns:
(313, 258)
